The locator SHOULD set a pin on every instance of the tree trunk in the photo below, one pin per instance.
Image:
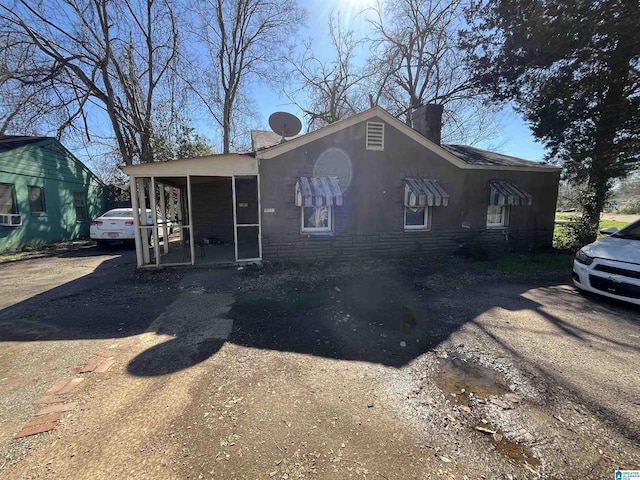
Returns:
(600, 171)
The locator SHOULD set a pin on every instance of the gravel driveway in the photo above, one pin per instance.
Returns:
(374, 370)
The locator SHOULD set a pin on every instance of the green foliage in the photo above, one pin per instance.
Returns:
(630, 208)
(173, 138)
(568, 235)
(572, 68)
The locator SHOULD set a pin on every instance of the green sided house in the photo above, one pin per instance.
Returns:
(46, 194)
(365, 187)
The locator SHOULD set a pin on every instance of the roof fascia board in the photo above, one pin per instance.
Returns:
(398, 125)
(226, 165)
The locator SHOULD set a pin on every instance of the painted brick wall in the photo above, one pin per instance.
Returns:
(370, 223)
(299, 247)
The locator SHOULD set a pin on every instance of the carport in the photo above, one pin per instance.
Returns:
(208, 211)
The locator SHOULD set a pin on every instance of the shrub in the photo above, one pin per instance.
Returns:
(630, 208)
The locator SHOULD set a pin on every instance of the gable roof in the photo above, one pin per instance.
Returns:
(26, 144)
(461, 156)
(261, 139)
(11, 142)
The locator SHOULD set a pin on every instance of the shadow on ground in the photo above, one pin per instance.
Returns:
(111, 302)
(390, 316)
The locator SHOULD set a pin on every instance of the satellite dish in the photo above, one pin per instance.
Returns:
(285, 124)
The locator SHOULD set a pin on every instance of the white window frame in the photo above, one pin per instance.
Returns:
(375, 136)
(426, 220)
(504, 217)
(327, 229)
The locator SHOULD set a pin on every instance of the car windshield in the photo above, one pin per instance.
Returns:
(118, 213)
(631, 232)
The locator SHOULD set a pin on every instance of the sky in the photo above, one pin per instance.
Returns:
(515, 137)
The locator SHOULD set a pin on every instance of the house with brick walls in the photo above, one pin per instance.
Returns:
(365, 187)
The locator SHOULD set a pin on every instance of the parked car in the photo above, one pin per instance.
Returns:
(115, 226)
(611, 266)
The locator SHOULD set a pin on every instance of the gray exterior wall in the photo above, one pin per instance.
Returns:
(371, 222)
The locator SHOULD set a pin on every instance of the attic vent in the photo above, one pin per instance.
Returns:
(375, 136)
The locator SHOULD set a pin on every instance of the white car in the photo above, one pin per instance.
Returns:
(611, 266)
(117, 226)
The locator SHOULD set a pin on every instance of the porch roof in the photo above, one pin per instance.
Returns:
(223, 165)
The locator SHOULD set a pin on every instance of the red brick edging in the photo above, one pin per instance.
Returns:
(56, 403)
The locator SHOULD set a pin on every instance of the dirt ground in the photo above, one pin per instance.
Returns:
(372, 370)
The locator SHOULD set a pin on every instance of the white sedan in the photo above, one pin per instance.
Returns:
(117, 226)
(611, 266)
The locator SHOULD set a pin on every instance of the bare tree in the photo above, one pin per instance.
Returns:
(102, 54)
(24, 105)
(243, 39)
(416, 59)
(331, 89)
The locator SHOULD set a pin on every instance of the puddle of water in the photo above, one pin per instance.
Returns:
(515, 451)
(461, 378)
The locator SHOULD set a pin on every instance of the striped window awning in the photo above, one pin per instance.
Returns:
(506, 193)
(423, 193)
(318, 192)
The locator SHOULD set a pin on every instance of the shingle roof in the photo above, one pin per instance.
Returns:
(9, 142)
(475, 156)
(261, 139)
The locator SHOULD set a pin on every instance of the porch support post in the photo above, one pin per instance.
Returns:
(190, 214)
(163, 215)
(259, 217)
(141, 215)
(154, 219)
(235, 216)
(133, 182)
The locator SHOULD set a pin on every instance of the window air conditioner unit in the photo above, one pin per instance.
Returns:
(10, 220)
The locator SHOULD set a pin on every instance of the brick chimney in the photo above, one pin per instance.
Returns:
(427, 120)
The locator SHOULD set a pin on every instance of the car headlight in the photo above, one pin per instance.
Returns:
(584, 258)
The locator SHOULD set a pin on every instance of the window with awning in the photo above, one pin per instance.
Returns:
(507, 193)
(424, 193)
(318, 192)
(419, 196)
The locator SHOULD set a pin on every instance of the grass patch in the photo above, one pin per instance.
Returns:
(611, 223)
(565, 217)
(43, 250)
(530, 264)
(11, 256)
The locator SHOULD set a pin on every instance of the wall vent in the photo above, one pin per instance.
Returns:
(375, 136)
